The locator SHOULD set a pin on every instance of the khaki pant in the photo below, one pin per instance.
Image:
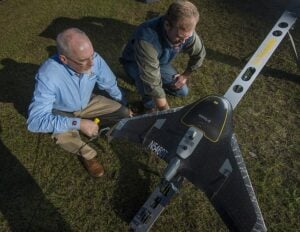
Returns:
(106, 109)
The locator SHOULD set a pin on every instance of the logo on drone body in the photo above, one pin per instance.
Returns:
(205, 119)
(157, 149)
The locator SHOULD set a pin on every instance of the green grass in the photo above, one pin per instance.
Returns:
(43, 188)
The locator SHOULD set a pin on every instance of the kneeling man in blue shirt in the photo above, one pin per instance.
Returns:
(63, 102)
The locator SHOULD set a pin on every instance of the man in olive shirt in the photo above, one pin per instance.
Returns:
(154, 44)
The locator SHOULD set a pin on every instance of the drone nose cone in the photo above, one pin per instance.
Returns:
(212, 115)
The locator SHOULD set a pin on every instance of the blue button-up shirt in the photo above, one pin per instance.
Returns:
(59, 87)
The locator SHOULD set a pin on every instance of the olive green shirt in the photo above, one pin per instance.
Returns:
(147, 59)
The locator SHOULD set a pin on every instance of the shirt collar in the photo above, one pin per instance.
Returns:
(72, 72)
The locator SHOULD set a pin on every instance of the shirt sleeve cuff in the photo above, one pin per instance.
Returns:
(74, 123)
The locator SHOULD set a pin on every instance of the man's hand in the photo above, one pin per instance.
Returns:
(180, 80)
(130, 112)
(161, 104)
(88, 127)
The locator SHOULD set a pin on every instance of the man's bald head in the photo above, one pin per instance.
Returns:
(71, 41)
(75, 50)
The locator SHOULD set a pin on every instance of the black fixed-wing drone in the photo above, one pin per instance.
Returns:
(198, 143)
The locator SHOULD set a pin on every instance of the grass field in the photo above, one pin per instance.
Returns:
(43, 188)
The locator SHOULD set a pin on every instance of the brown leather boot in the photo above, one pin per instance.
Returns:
(93, 167)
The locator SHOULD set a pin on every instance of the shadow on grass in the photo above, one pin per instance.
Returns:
(22, 202)
(256, 8)
(16, 83)
(268, 11)
(133, 186)
(266, 71)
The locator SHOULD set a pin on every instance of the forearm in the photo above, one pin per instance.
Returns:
(196, 60)
(196, 51)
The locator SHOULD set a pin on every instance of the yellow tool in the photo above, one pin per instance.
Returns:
(97, 120)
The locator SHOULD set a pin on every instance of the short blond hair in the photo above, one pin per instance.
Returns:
(179, 10)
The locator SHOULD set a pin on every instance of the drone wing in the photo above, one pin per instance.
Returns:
(220, 172)
(148, 130)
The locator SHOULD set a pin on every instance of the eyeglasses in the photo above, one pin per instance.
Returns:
(83, 62)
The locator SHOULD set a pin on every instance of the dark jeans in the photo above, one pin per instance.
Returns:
(167, 74)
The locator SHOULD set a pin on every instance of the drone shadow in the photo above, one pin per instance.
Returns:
(134, 180)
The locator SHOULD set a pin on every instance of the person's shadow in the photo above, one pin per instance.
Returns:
(17, 83)
(22, 202)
